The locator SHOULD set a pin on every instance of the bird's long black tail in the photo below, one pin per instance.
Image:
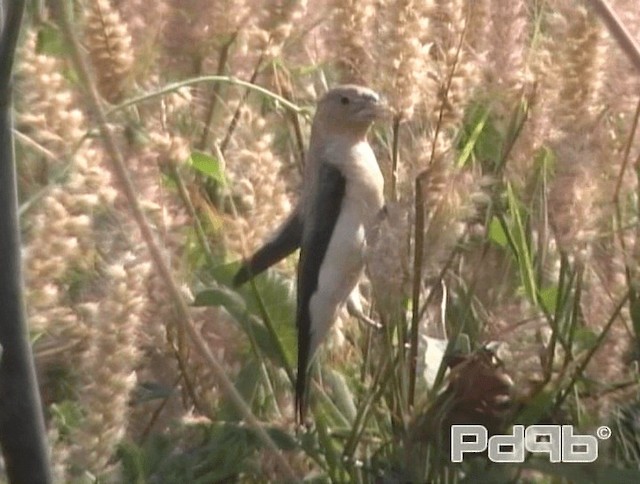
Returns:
(284, 243)
(301, 379)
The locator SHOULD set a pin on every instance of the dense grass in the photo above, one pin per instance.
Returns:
(158, 146)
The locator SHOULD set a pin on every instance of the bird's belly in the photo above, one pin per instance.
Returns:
(341, 269)
(343, 261)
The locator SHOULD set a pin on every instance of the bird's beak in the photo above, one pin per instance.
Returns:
(374, 110)
(383, 110)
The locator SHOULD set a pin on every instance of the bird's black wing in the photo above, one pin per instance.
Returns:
(321, 219)
(286, 240)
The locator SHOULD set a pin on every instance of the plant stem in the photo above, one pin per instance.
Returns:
(394, 157)
(417, 284)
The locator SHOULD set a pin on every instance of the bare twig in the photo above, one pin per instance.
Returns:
(627, 150)
(236, 116)
(215, 93)
(286, 92)
(587, 358)
(618, 30)
(175, 86)
(417, 284)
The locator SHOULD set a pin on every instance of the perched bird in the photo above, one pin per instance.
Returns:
(340, 203)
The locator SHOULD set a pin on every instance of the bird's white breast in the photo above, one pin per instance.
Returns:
(344, 260)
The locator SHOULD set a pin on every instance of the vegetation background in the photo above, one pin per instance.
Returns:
(159, 143)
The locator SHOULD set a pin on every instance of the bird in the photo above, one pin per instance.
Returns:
(341, 201)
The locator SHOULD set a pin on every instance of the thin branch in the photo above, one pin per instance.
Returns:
(395, 156)
(618, 30)
(627, 150)
(417, 284)
(175, 86)
(236, 115)
(587, 358)
(215, 93)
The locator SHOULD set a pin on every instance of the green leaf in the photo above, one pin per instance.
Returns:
(208, 165)
(50, 41)
(341, 394)
(478, 126)
(537, 408)
(219, 297)
(549, 298)
(283, 440)
(132, 459)
(497, 234)
(245, 306)
(584, 339)
(519, 235)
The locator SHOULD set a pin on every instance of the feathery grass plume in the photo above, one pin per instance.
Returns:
(620, 75)
(604, 287)
(46, 105)
(60, 245)
(60, 452)
(109, 365)
(577, 54)
(580, 204)
(573, 197)
(576, 49)
(388, 258)
(145, 26)
(478, 29)
(275, 21)
(350, 39)
(507, 43)
(450, 197)
(109, 44)
(259, 180)
(401, 53)
(168, 355)
(196, 30)
(451, 64)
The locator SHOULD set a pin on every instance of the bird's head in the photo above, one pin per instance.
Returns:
(348, 109)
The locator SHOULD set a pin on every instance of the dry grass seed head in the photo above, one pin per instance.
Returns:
(46, 109)
(350, 38)
(109, 44)
(401, 54)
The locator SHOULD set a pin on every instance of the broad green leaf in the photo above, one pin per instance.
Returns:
(341, 394)
(497, 234)
(584, 339)
(273, 293)
(549, 298)
(208, 165)
(219, 297)
(236, 306)
(50, 41)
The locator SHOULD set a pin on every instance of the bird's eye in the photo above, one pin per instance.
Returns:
(344, 100)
